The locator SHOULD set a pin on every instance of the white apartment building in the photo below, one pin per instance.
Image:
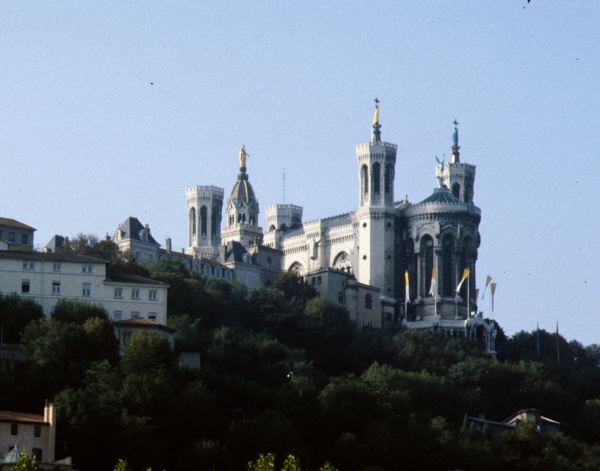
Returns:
(49, 277)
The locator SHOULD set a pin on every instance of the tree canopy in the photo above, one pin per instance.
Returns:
(289, 382)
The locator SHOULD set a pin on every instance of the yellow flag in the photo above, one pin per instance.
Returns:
(406, 287)
(433, 277)
(466, 273)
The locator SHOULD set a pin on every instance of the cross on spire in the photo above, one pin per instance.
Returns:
(376, 102)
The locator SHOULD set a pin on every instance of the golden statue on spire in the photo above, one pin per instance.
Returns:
(376, 113)
(243, 156)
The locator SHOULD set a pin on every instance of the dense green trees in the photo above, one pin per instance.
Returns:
(15, 314)
(285, 372)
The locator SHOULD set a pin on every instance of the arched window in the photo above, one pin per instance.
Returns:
(214, 221)
(468, 192)
(387, 180)
(376, 178)
(203, 220)
(342, 262)
(427, 263)
(448, 268)
(297, 268)
(456, 190)
(368, 301)
(364, 179)
(193, 221)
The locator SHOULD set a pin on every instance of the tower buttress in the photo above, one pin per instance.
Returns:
(241, 224)
(204, 208)
(457, 176)
(376, 213)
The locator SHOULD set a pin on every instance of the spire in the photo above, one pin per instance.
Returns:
(455, 146)
(243, 156)
(376, 126)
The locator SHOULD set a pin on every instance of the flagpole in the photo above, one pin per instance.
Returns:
(469, 295)
(435, 290)
(557, 344)
(455, 306)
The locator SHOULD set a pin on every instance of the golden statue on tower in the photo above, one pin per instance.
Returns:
(243, 156)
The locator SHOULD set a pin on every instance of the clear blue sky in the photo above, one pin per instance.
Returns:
(110, 109)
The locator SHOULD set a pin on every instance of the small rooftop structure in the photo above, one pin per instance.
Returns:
(543, 425)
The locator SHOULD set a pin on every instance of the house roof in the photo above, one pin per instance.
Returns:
(132, 228)
(143, 324)
(535, 412)
(234, 252)
(22, 417)
(15, 223)
(49, 257)
(120, 278)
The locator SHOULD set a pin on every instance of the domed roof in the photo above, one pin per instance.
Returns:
(242, 190)
(441, 195)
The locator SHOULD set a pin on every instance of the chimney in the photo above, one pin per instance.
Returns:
(168, 244)
(49, 417)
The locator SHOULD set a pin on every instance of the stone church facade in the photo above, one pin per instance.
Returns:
(361, 258)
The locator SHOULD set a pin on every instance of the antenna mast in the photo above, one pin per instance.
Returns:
(284, 185)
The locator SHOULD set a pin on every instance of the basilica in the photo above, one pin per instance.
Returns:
(389, 262)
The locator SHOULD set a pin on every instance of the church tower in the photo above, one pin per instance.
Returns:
(241, 223)
(457, 176)
(204, 207)
(376, 212)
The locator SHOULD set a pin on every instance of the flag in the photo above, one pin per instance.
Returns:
(406, 287)
(466, 273)
(557, 344)
(538, 347)
(488, 280)
(432, 289)
(493, 290)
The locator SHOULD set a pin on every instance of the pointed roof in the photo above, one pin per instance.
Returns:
(132, 228)
(455, 146)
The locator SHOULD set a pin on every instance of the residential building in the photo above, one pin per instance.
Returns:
(34, 434)
(50, 277)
